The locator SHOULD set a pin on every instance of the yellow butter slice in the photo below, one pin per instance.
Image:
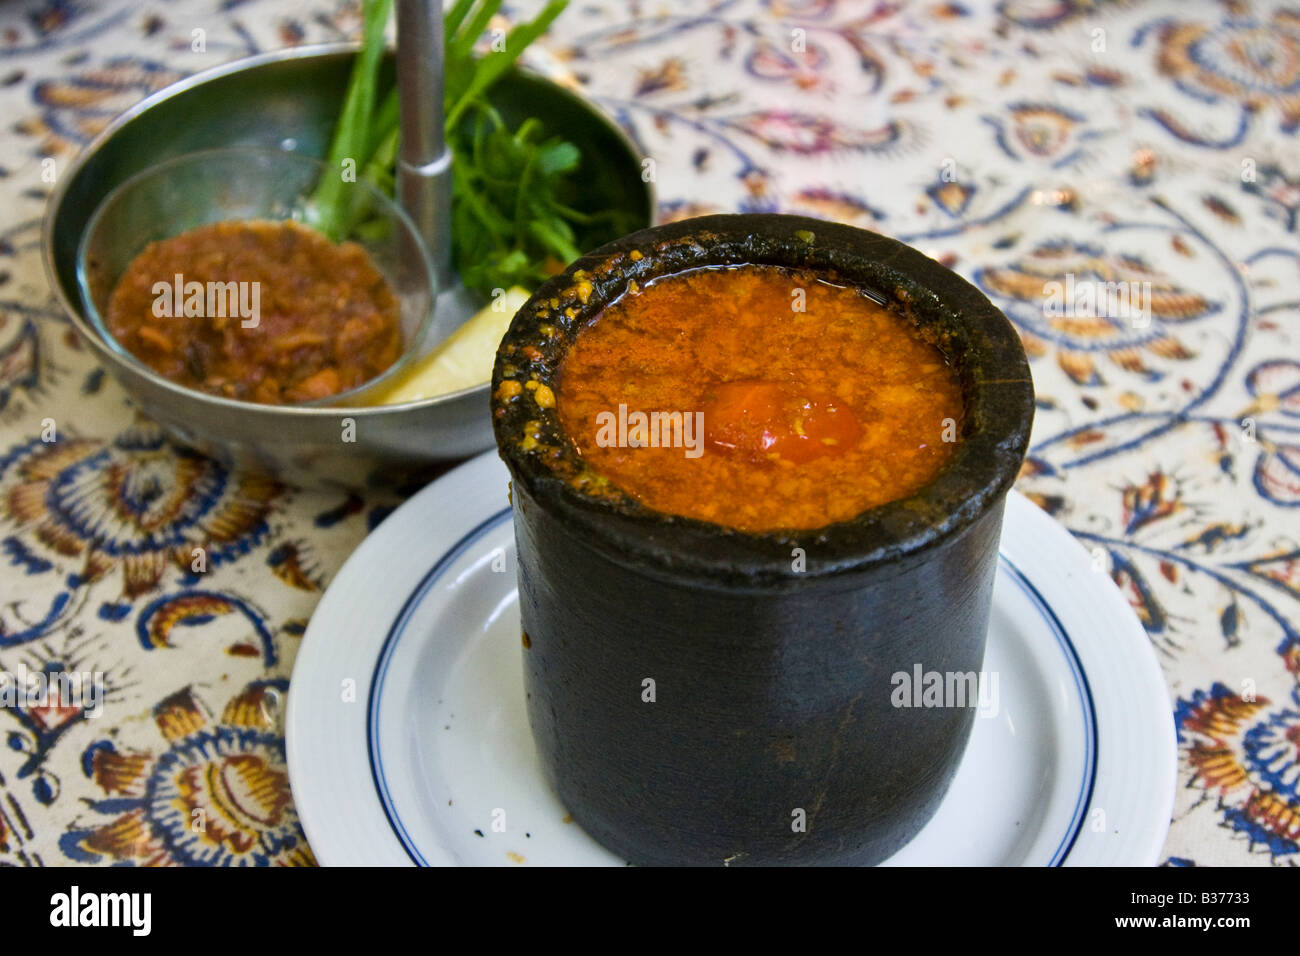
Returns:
(463, 360)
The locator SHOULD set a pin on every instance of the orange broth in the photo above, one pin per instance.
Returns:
(809, 417)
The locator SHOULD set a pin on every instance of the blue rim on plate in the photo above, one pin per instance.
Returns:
(445, 560)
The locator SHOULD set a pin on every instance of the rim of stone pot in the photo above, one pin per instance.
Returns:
(980, 341)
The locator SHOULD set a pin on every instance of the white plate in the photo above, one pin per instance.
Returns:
(408, 741)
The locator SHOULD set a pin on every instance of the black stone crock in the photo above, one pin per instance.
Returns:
(771, 736)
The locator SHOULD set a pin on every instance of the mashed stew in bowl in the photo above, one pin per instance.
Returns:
(261, 311)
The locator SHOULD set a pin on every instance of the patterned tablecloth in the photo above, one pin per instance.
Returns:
(1019, 144)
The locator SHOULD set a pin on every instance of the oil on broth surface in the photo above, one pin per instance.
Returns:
(816, 402)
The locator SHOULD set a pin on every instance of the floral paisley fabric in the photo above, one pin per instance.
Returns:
(1022, 143)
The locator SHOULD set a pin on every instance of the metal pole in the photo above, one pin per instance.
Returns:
(424, 162)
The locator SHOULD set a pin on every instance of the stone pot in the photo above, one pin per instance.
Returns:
(771, 731)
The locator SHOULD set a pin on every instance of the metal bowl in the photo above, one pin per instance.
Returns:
(290, 99)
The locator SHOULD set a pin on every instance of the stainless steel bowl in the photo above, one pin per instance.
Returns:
(290, 99)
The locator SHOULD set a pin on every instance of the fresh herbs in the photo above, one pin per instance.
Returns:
(352, 135)
(469, 78)
(507, 226)
(515, 193)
